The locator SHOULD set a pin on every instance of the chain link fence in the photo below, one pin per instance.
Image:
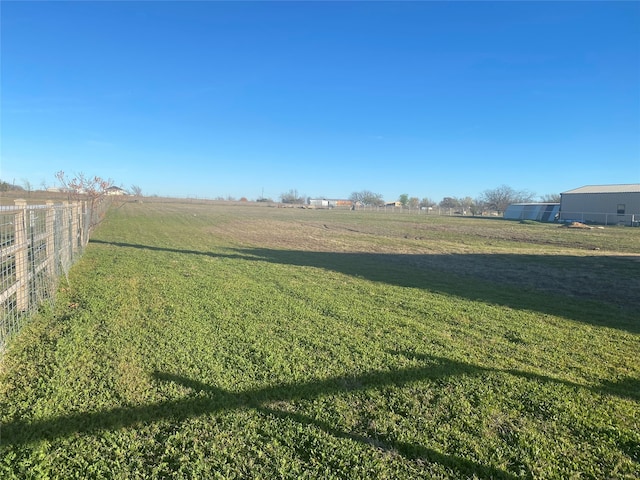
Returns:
(628, 219)
(38, 244)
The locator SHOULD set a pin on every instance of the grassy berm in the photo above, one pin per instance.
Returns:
(210, 341)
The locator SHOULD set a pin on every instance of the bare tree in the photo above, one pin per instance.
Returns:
(550, 198)
(292, 197)
(477, 206)
(136, 190)
(427, 202)
(82, 187)
(468, 205)
(414, 202)
(501, 197)
(27, 186)
(367, 198)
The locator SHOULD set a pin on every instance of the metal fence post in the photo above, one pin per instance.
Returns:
(50, 242)
(81, 208)
(65, 250)
(74, 229)
(22, 253)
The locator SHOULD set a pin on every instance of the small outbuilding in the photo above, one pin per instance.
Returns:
(604, 204)
(541, 212)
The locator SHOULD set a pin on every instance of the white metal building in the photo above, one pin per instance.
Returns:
(329, 203)
(605, 204)
(541, 212)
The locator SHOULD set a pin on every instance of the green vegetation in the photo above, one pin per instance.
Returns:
(199, 341)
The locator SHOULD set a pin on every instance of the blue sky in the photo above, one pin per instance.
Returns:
(431, 99)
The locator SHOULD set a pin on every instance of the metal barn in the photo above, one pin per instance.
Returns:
(541, 212)
(604, 204)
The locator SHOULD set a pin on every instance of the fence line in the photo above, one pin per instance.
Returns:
(38, 244)
(629, 219)
(431, 211)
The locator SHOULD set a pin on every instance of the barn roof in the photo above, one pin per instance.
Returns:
(622, 188)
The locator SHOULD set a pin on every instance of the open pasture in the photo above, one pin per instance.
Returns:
(205, 341)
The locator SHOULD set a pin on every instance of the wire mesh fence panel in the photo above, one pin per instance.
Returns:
(38, 244)
(603, 218)
(7, 273)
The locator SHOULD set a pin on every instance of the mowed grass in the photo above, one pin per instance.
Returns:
(203, 341)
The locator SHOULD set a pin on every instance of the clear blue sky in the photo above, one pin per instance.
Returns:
(239, 98)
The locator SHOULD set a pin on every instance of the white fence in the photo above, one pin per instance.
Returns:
(38, 243)
(415, 211)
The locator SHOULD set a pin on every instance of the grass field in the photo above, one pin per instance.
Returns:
(200, 341)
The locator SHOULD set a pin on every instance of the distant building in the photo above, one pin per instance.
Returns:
(541, 212)
(329, 203)
(605, 204)
(115, 191)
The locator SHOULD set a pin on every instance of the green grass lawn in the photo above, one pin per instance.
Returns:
(204, 341)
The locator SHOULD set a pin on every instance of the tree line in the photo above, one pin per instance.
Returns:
(496, 199)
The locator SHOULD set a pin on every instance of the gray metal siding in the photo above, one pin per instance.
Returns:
(600, 207)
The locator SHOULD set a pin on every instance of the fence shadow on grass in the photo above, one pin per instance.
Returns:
(599, 290)
(154, 248)
(207, 400)
(571, 287)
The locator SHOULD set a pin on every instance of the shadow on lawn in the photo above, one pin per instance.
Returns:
(534, 282)
(600, 290)
(208, 399)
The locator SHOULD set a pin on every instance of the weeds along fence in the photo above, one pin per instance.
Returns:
(38, 244)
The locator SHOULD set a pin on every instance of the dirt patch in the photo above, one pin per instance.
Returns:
(577, 225)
